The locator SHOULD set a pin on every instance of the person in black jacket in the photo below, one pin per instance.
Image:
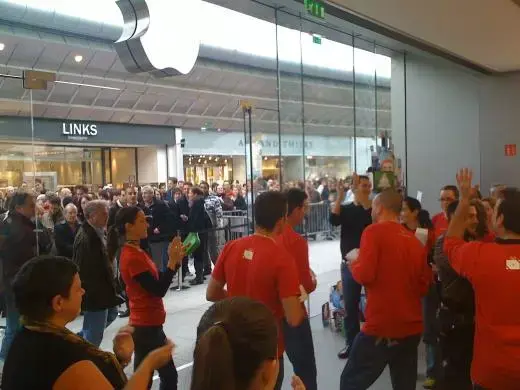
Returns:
(162, 226)
(198, 222)
(181, 209)
(97, 273)
(18, 244)
(456, 316)
(65, 232)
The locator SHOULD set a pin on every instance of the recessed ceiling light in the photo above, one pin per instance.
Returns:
(78, 58)
(2, 46)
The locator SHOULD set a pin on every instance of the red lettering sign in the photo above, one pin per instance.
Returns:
(510, 150)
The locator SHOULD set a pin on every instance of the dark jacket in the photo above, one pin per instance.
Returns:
(177, 209)
(112, 212)
(64, 238)
(162, 218)
(456, 293)
(240, 203)
(18, 242)
(198, 220)
(95, 270)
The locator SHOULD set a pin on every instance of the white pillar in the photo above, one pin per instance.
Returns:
(175, 157)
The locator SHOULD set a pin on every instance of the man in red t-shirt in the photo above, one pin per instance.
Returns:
(493, 269)
(393, 267)
(259, 268)
(449, 194)
(298, 340)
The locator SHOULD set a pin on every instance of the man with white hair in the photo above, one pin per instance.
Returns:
(65, 232)
(97, 274)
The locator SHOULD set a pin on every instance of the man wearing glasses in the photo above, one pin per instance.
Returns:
(449, 194)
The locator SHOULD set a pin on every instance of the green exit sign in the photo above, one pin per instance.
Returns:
(315, 8)
(316, 39)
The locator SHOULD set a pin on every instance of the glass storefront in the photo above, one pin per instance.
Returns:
(311, 100)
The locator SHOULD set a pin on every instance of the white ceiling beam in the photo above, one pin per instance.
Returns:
(183, 116)
(217, 94)
(173, 106)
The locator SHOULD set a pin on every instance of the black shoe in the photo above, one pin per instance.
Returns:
(343, 354)
(124, 313)
(196, 282)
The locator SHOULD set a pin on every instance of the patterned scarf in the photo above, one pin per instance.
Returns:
(107, 358)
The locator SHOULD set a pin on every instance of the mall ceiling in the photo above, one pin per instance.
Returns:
(208, 97)
(483, 32)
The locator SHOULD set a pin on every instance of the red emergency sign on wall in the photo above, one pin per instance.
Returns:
(510, 150)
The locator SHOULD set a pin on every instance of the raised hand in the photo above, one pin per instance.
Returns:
(160, 357)
(123, 345)
(297, 383)
(464, 179)
(341, 190)
(176, 253)
(355, 182)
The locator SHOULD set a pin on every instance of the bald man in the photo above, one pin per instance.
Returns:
(65, 232)
(393, 268)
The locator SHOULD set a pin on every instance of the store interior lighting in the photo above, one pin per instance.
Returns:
(78, 58)
(2, 46)
(223, 28)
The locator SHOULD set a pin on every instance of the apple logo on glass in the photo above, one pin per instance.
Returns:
(159, 36)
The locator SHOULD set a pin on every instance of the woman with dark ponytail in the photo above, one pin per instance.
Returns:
(237, 348)
(145, 286)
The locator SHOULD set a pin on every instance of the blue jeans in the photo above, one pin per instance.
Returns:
(12, 323)
(430, 305)
(351, 297)
(300, 350)
(369, 357)
(95, 323)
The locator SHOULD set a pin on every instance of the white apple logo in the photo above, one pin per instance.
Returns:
(159, 36)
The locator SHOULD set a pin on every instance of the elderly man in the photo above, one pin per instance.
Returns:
(65, 231)
(97, 274)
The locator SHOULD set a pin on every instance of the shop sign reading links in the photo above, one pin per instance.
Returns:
(79, 131)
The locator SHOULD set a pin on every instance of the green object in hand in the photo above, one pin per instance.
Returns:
(191, 243)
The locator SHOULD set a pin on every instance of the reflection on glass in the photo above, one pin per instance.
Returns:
(123, 166)
(55, 166)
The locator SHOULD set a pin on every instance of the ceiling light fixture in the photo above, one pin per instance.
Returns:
(78, 58)
(2, 46)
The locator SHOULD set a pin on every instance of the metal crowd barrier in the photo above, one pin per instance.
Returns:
(317, 221)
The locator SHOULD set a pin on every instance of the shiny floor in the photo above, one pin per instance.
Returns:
(185, 308)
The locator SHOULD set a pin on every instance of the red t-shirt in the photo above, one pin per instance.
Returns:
(440, 224)
(494, 271)
(258, 268)
(145, 309)
(393, 268)
(297, 246)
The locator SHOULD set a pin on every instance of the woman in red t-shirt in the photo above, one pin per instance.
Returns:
(145, 286)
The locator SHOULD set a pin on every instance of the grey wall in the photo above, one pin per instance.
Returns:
(499, 126)
(442, 125)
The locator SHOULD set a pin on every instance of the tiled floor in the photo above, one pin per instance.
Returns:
(185, 308)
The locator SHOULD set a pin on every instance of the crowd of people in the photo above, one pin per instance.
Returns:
(450, 281)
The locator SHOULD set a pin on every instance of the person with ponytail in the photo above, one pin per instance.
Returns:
(145, 286)
(414, 217)
(237, 348)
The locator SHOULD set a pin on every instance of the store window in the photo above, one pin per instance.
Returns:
(123, 165)
(54, 166)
